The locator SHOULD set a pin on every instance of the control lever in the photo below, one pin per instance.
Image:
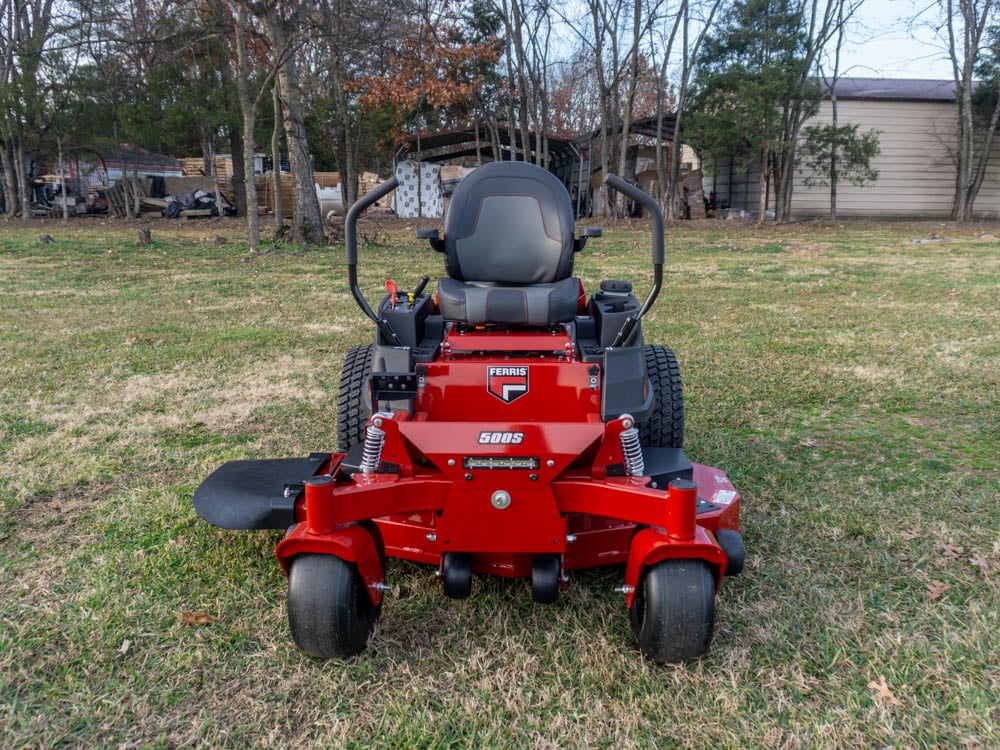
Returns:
(421, 286)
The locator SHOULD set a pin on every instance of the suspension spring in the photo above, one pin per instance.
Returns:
(629, 437)
(371, 456)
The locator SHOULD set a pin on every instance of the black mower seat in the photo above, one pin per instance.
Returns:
(508, 247)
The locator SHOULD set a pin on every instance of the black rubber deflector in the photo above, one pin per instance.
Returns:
(256, 494)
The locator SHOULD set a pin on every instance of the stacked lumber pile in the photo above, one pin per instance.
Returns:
(265, 193)
(122, 195)
(369, 181)
(326, 179)
(193, 165)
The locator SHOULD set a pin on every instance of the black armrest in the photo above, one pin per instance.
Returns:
(585, 234)
(432, 236)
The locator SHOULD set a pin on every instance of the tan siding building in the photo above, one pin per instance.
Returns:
(917, 132)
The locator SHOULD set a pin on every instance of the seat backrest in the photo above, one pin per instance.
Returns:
(509, 222)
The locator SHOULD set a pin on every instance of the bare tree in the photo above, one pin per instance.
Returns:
(281, 29)
(25, 30)
(971, 27)
(700, 18)
(823, 20)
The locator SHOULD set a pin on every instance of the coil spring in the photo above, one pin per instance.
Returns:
(371, 456)
(634, 465)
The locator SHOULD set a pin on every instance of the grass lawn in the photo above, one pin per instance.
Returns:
(845, 377)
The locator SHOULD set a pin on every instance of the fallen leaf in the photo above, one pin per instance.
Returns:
(910, 534)
(949, 550)
(196, 618)
(936, 588)
(126, 645)
(980, 562)
(883, 695)
(809, 442)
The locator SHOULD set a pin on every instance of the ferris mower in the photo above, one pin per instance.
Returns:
(509, 426)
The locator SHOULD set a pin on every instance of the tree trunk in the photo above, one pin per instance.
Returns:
(633, 80)
(11, 194)
(279, 214)
(666, 191)
(833, 150)
(765, 159)
(22, 179)
(237, 185)
(249, 111)
(62, 181)
(517, 21)
(307, 226)
(348, 161)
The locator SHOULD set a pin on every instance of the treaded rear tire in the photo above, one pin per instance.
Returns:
(665, 426)
(351, 413)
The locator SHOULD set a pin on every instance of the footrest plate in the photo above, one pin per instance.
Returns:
(256, 494)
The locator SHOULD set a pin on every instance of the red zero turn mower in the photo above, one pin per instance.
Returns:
(509, 426)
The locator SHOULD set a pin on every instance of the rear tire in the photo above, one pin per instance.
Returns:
(673, 613)
(329, 611)
(352, 414)
(665, 426)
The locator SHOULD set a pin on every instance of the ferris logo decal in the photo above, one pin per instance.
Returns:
(501, 438)
(507, 383)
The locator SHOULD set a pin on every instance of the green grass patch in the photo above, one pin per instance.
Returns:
(845, 378)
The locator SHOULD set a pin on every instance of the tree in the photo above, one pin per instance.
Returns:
(434, 74)
(839, 153)
(702, 17)
(833, 152)
(26, 27)
(757, 85)
(281, 24)
(350, 40)
(974, 48)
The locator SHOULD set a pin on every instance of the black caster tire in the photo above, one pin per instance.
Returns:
(546, 578)
(456, 574)
(329, 611)
(673, 614)
(732, 544)
(664, 428)
(352, 412)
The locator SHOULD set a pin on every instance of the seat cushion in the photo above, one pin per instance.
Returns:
(478, 303)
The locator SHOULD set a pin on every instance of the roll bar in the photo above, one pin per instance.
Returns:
(351, 243)
(640, 196)
(612, 181)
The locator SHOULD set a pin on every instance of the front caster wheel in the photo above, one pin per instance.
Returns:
(546, 577)
(329, 611)
(456, 574)
(673, 614)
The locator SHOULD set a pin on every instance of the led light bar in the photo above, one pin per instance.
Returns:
(500, 462)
